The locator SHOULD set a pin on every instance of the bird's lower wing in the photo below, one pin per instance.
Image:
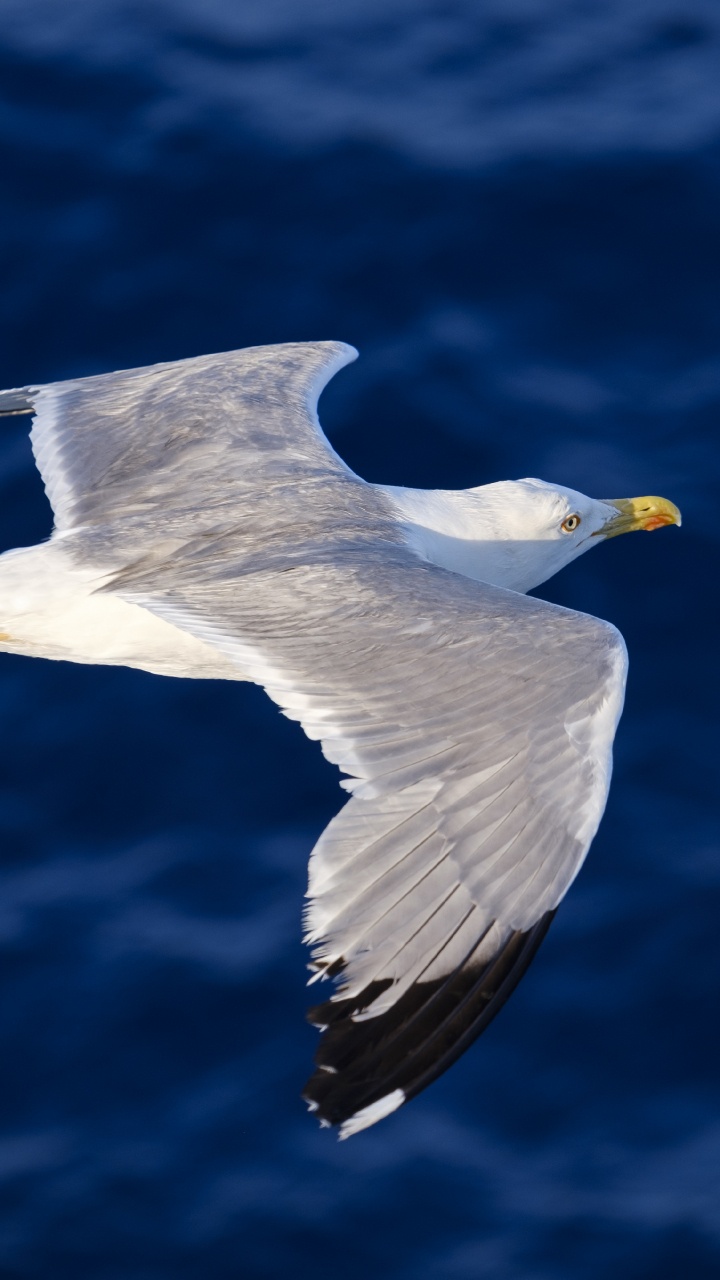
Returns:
(477, 727)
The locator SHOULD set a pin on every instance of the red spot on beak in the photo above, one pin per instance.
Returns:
(657, 522)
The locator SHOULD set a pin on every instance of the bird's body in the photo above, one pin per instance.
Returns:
(52, 608)
(205, 528)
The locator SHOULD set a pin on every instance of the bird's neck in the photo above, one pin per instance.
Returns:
(464, 531)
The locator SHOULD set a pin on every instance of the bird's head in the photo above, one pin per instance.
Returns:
(518, 533)
(542, 526)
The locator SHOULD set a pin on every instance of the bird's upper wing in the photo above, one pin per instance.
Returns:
(181, 445)
(477, 727)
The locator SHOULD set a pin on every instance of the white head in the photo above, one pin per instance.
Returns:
(518, 533)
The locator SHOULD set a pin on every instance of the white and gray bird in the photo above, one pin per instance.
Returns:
(206, 528)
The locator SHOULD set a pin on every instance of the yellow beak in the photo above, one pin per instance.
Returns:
(639, 513)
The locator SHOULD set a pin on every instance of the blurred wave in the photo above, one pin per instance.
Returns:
(453, 84)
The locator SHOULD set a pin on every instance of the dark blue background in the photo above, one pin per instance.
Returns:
(513, 211)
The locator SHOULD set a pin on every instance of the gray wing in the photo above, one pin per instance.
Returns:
(477, 727)
(476, 724)
(174, 447)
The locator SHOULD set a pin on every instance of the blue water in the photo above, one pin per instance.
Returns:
(513, 211)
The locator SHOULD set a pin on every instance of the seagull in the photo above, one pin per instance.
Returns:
(205, 528)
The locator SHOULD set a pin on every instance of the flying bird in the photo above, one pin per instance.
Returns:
(205, 527)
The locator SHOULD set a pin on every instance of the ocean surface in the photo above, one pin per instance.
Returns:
(512, 210)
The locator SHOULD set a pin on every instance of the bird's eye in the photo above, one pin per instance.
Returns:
(570, 524)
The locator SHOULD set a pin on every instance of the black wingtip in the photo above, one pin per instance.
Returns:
(365, 1069)
(14, 402)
